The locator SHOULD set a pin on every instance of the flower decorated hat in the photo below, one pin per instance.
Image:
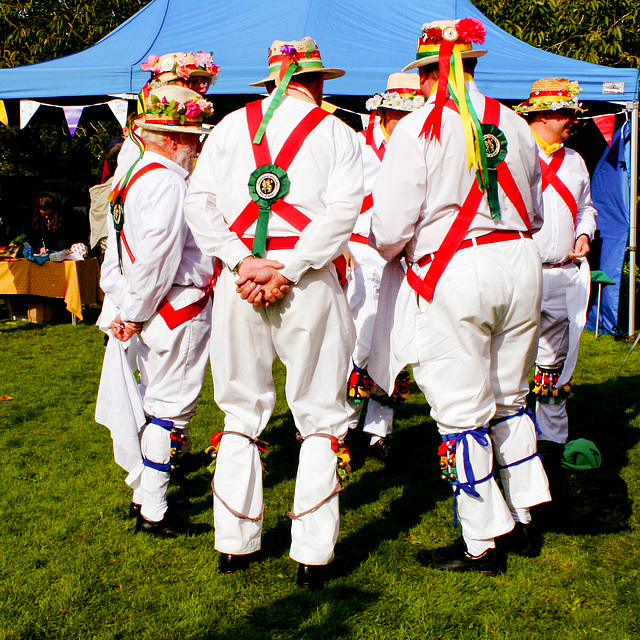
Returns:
(446, 43)
(180, 65)
(303, 55)
(452, 37)
(403, 94)
(173, 108)
(286, 60)
(552, 94)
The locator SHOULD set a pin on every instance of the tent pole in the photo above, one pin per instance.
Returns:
(633, 106)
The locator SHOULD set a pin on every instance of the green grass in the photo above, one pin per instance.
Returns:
(72, 567)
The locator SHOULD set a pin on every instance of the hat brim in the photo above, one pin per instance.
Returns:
(329, 74)
(423, 62)
(525, 109)
(190, 128)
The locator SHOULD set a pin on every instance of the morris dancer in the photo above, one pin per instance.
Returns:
(563, 242)
(403, 95)
(279, 237)
(461, 198)
(160, 283)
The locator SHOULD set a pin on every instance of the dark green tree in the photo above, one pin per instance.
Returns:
(600, 31)
(38, 30)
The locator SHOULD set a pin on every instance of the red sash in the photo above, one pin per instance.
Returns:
(262, 156)
(550, 177)
(458, 231)
(118, 191)
(175, 317)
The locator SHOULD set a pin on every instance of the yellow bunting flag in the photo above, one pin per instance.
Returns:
(3, 114)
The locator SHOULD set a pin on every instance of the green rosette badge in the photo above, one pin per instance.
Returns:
(495, 145)
(117, 212)
(267, 184)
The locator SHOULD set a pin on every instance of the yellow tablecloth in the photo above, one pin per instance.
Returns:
(76, 282)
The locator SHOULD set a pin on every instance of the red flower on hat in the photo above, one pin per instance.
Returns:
(470, 30)
(433, 33)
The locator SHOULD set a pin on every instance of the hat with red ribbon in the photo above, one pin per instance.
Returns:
(286, 60)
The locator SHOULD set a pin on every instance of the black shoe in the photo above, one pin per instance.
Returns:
(170, 526)
(381, 449)
(312, 576)
(134, 510)
(230, 563)
(523, 539)
(456, 558)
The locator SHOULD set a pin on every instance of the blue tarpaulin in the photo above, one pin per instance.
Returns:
(610, 192)
(368, 38)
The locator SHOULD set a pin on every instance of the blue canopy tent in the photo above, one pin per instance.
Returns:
(369, 40)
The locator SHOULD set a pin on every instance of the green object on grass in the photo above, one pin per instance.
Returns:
(581, 455)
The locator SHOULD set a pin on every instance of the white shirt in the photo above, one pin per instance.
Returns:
(558, 235)
(422, 184)
(371, 166)
(157, 234)
(326, 186)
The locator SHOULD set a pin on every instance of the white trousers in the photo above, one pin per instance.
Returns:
(476, 345)
(173, 363)
(553, 346)
(311, 331)
(378, 420)
(363, 292)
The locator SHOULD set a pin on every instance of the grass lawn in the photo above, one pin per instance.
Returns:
(71, 565)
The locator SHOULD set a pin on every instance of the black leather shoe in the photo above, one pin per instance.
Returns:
(170, 526)
(134, 510)
(381, 449)
(230, 563)
(456, 558)
(523, 539)
(312, 576)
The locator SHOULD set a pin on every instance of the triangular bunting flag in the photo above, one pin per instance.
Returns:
(27, 109)
(119, 109)
(606, 124)
(3, 114)
(73, 115)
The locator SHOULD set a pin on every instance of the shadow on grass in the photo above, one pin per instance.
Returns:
(604, 413)
(412, 474)
(312, 615)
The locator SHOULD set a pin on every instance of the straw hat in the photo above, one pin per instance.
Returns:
(456, 35)
(180, 65)
(403, 94)
(176, 109)
(552, 94)
(303, 52)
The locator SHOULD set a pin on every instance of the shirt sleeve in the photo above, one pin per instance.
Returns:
(160, 237)
(398, 194)
(586, 213)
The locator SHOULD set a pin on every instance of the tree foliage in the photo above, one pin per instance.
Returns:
(600, 31)
(37, 30)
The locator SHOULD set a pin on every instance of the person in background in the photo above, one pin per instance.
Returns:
(563, 242)
(402, 96)
(53, 228)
